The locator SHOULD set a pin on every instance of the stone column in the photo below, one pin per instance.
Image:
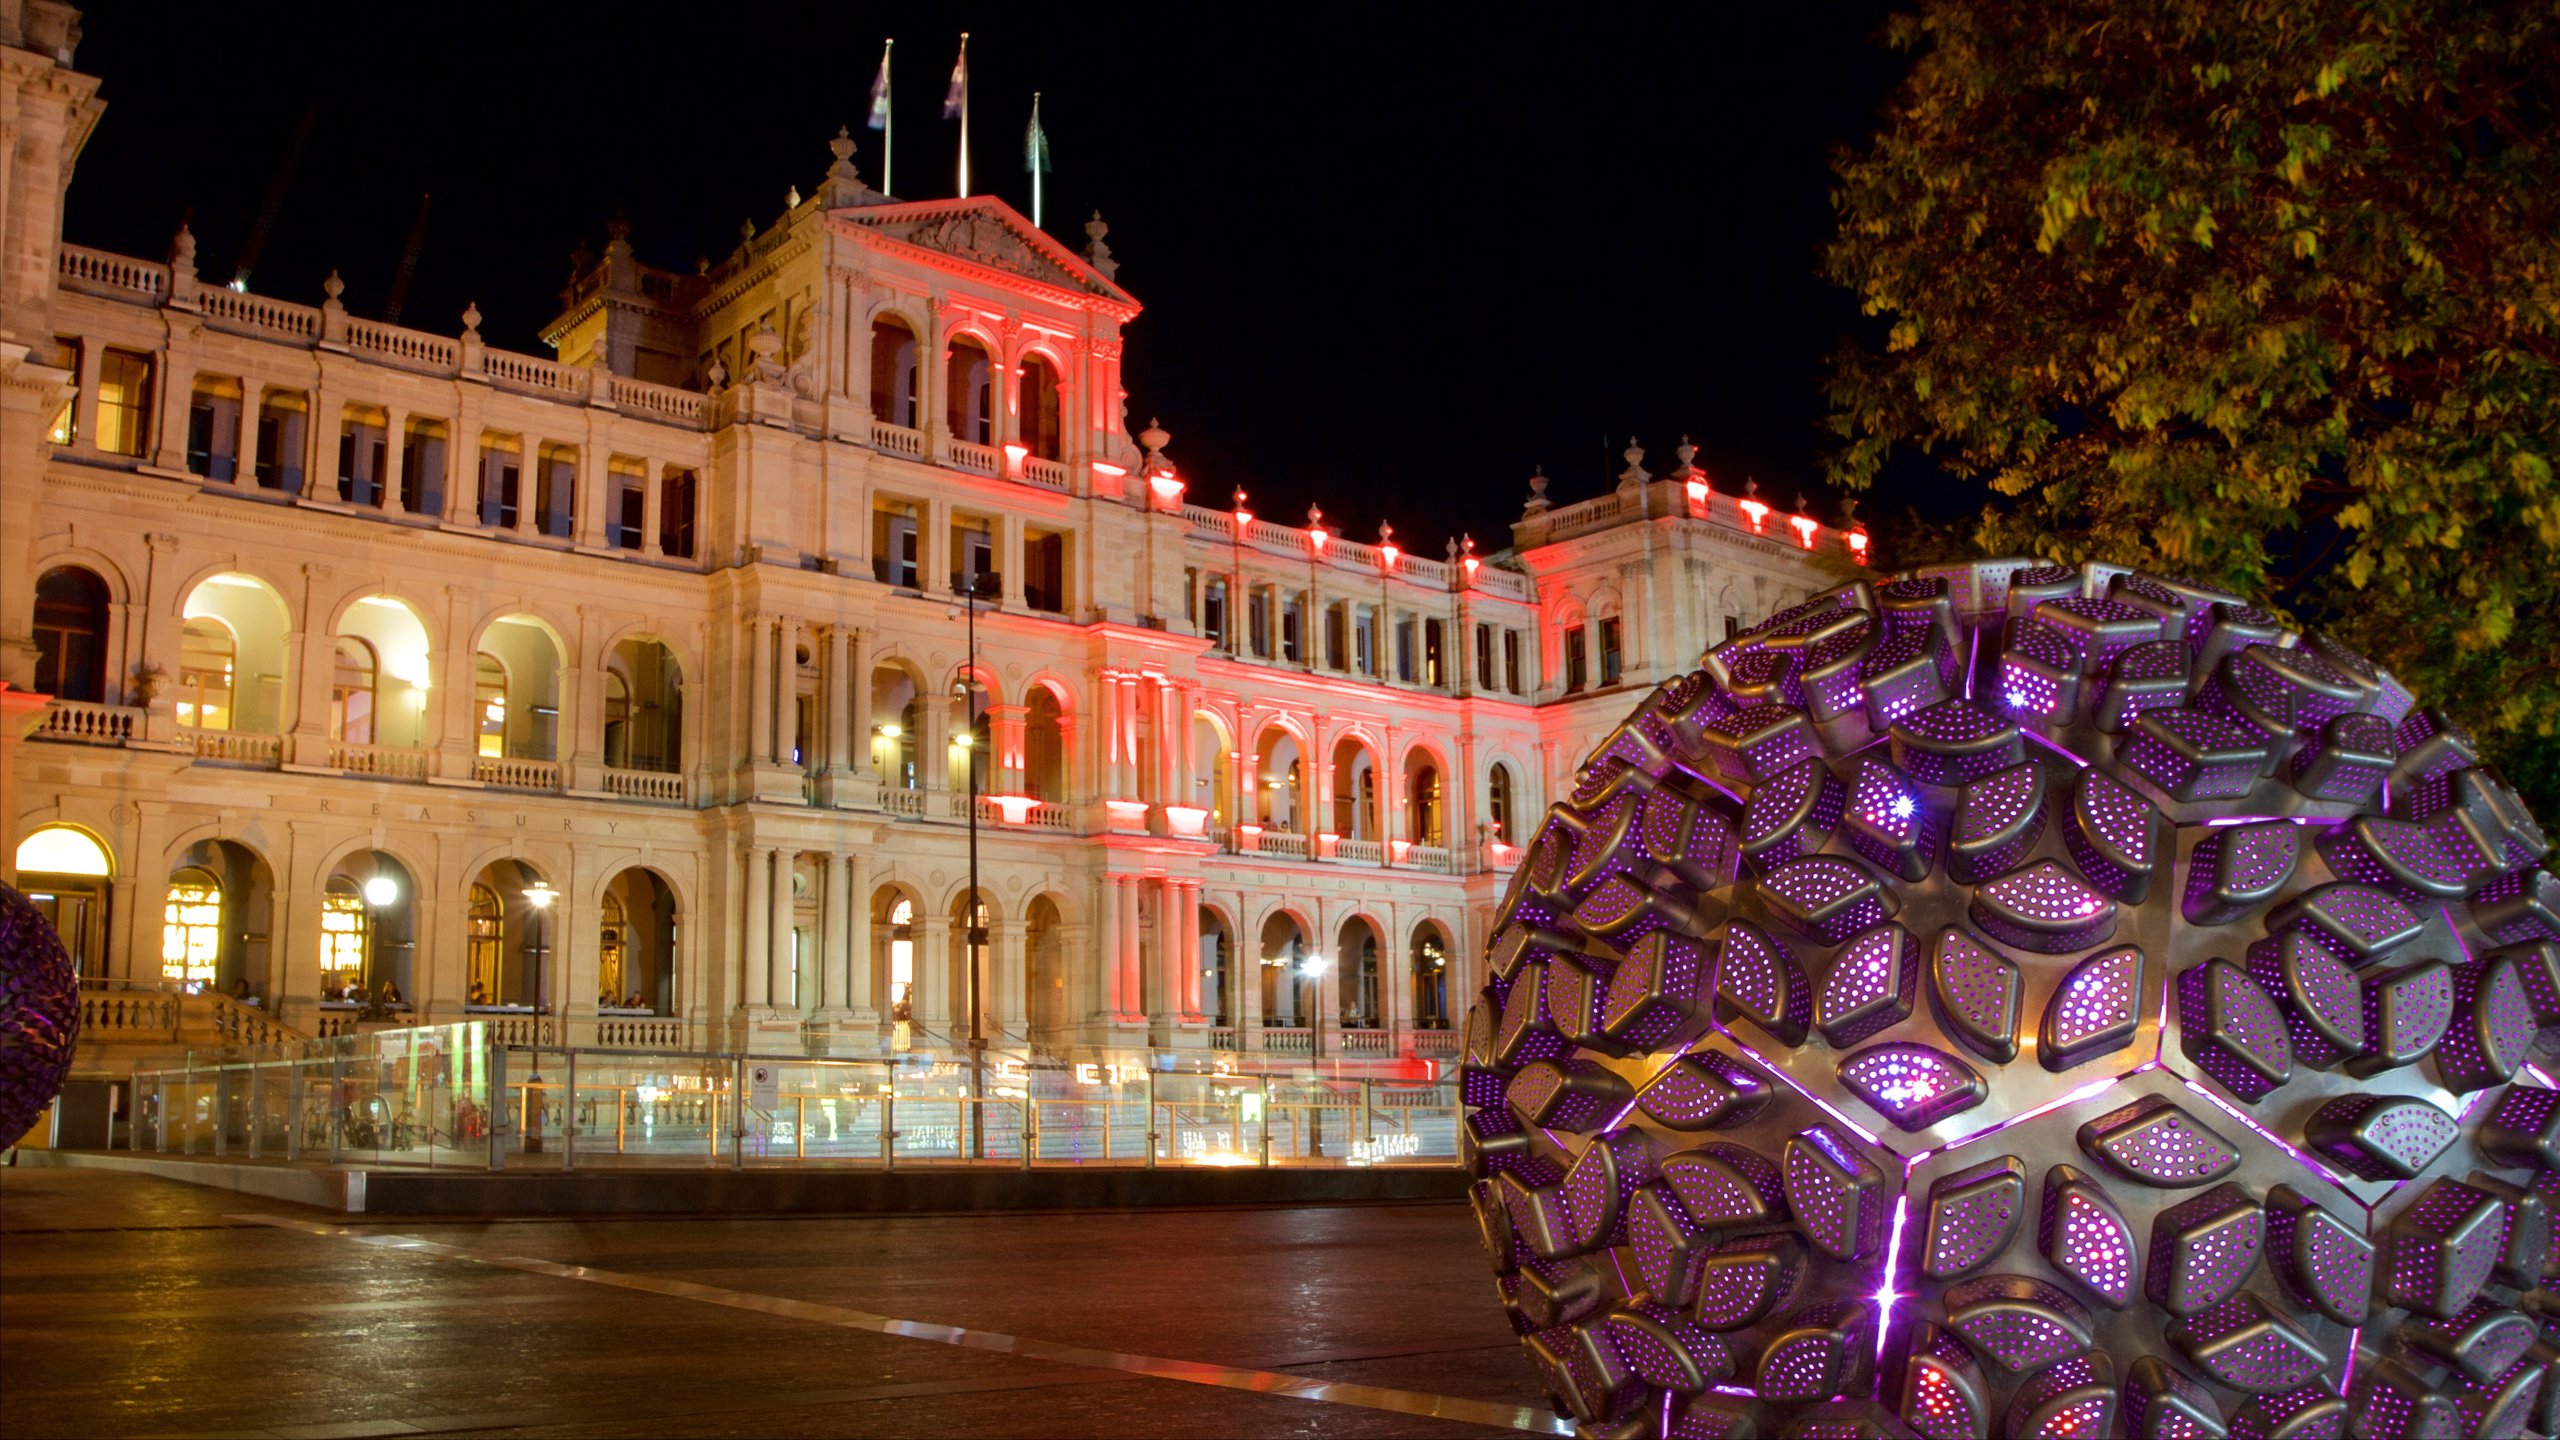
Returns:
(836, 687)
(1009, 555)
(754, 983)
(652, 481)
(314, 662)
(759, 690)
(528, 485)
(1005, 732)
(1108, 993)
(1007, 987)
(833, 933)
(1193, 1013)
(779, 938)
(1133, 988)
(394, 478)
(786, 694)
(861, 681)
(936, 977)
(244, 445)
(861, 1002)
(1165, 1005)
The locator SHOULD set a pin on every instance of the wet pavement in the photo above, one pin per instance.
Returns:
(137, 1306)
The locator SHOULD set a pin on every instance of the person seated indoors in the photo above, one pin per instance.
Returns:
(479, 993)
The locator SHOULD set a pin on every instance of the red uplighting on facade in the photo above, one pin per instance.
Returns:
(1317, 537)
(1015, 808)
(1806, 526)
(1104, 468)
(1858, 545)
(1698, 496)
(1757, 510)
(1189, 822)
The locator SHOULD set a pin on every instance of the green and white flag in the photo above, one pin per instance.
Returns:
(1035, 154)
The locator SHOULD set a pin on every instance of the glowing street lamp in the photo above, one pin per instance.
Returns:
(1313, 967)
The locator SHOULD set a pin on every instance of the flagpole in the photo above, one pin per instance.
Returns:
(1036, 166)
(964, 114)
(888, 125)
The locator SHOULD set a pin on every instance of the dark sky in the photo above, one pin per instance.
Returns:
(1392, 256)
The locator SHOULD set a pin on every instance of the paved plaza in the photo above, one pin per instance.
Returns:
(137, 1306)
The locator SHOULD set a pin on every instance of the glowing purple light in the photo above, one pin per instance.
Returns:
(1821, 1104)
(1902, 807)
(1892, 1262)
(2037, 739)
(2271, 1137)
(2094, 1087)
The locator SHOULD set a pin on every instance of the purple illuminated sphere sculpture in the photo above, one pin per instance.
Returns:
(39, 1014)
(2011, 999)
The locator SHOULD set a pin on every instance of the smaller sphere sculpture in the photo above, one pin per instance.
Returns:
(39, 1014)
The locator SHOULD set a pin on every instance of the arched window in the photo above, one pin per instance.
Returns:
(893, 373)
(612, 944)
(351, 693)
(207, 657)
(191, 928)
(1040, 407)
(489, 703)
(1422, 808)
(968, 397)
(1360, 978)
(902, 960)
(1044, 751)
(71, 635)
(65, 873)
(1498, 802)
(617, 720)
(485, 932)
(1430, 980)
(344, 923)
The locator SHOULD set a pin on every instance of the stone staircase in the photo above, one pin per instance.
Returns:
(144, 1024)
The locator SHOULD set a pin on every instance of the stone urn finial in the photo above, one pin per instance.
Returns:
(1096, 253)
(471, 321)
(1538, 503)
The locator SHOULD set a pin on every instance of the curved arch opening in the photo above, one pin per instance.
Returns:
(893, 372)
(231, 657)
(368, 932)
(636, 945)
(71, 634)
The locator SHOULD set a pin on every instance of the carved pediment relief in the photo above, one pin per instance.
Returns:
(987, 236)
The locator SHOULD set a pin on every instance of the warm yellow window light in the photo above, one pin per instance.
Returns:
(61, 850)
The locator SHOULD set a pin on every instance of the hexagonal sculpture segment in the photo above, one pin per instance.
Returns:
(2287, 1134)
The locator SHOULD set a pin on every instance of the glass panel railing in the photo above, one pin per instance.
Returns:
(443, 1096)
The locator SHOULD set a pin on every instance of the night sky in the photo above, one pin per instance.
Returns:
(1390, 261)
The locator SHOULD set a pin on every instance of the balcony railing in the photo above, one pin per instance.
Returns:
(624, 1032)
(908, 803)
(1360, 852)
(1286, 843)
(1428, 857)
(1436, 1044)
(82, 723)
(665, 786)
(1050, 473)
(509, 773)
(1368, 1042)
(891, 439)
(969, 455)
(234, 747)
(1287, 1040)
(383, 762)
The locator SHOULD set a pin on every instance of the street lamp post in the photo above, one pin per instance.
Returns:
(1314, 966)
(537, 898)
(973, 928)
(381, 892)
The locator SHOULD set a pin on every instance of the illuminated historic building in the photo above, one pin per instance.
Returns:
(624, 695)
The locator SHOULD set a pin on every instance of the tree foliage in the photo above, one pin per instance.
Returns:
(2261, 293)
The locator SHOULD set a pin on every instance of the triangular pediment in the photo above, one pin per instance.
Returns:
(984, 231)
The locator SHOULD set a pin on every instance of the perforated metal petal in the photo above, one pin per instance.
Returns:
(1913, 1085)
(2045, 908)
(2380, 1137)
(2232, 1030)
(2242, 1344)
(1943, 1397)
(2018, 1323)
(1837, 1193)
(1973, 1215)
(2156, 1142)
(2204, 1249)
(2321, 1257)
(2481, 1341)
(2363, 922)
(2239, 868)
(2095, 1011)
(2160, 1403)
(1871, 988)
(2084, 1236)
(1976, 992)
(2442, 1248)
(2068, 1400)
